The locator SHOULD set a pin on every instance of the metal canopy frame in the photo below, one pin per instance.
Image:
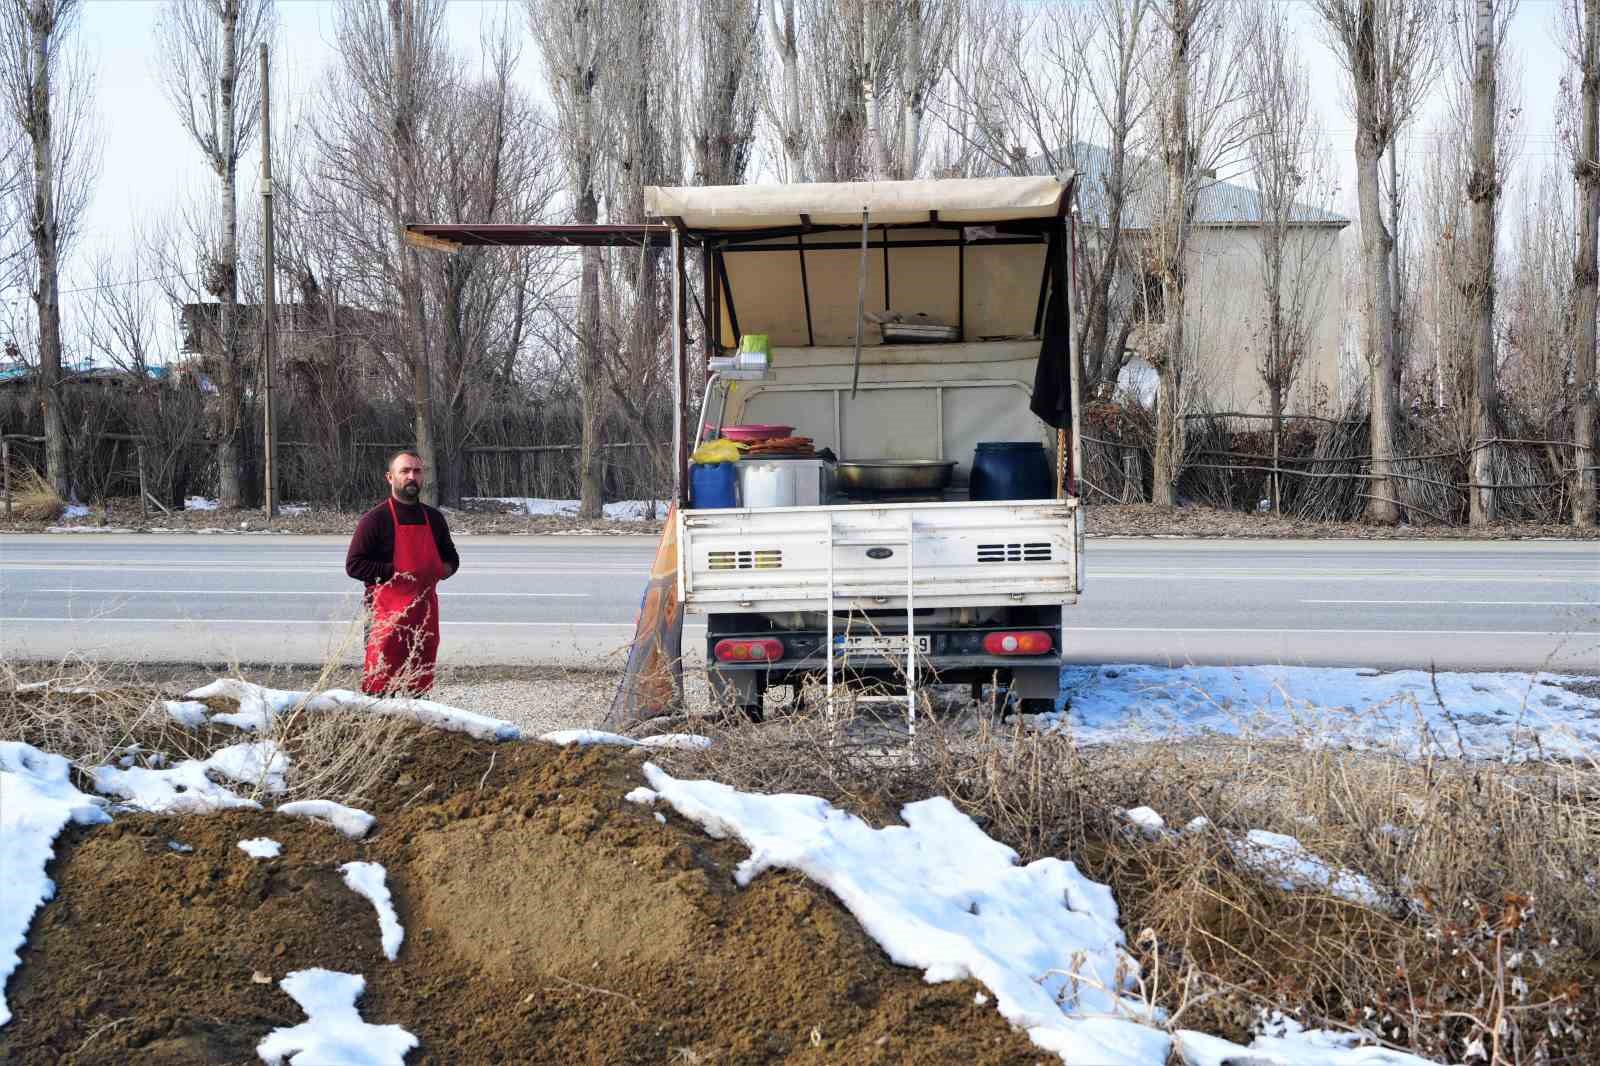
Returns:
(671, 235)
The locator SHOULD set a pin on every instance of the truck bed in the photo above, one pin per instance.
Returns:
(964, 554)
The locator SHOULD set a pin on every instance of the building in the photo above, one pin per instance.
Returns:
(1226, 307)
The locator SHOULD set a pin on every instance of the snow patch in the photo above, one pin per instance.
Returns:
(940, 895)
(1290, 866)
(369, 879)
(642, 796)
(190, 713)
(333, 1033)
(37, 800)
(188, 787)
(584, 737)
(261, 848)
(534, 507)
(200, 503)
(677, 741)
(353, 823)
(258, 706)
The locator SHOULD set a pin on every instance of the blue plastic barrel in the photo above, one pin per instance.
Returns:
(713, 485)
(1011, 470)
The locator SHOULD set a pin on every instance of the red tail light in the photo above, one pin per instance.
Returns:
(765, 650)
(1030, 642)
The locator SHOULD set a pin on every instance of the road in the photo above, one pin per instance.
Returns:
(571, 600)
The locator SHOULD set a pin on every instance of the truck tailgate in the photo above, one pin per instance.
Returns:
(963, 555)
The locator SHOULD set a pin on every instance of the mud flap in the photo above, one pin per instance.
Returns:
(652, 683)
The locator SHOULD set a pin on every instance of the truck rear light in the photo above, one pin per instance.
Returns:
(764, 650)
(1029, 642)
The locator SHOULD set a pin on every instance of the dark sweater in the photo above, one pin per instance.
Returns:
(370, 559)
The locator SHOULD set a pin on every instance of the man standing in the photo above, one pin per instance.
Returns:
(401, 551)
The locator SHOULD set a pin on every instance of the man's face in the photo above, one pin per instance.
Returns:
(405, 478)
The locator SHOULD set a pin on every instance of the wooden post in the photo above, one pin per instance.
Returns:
(269, 301)
(144, 493)
(5, 463)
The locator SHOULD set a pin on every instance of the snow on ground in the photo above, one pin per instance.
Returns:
(261, 848)
(37, 800)
(584, 737)
(938, 894)
(191, 713)
(75, 510)
(187, 787)
(676, 741)
(200, 503)
(259, 705)
(333, 1033)
(620, 511)
(1288, 864)
(369, 879)
(1487, 715)
(353, 823)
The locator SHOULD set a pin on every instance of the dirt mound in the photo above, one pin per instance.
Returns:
(547, 920)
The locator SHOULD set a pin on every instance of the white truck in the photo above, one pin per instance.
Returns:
(909, 587)
(951, 584)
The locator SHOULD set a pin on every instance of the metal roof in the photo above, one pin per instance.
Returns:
(1219, 203)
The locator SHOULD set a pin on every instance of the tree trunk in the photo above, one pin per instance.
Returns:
(912, 102)
(1383, 502)
(407, 95)
(1585, 267)
(1482, 191)
(230, 489)
(1169, 417)
(47, 243)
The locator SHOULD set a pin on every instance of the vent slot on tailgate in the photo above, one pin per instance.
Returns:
(745, 559)
(1030, 552)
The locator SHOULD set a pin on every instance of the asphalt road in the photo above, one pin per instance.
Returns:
(571, 601)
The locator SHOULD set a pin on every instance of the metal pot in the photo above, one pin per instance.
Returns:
(894, 475)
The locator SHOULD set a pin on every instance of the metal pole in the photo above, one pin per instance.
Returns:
(269, 301)
(679, 376)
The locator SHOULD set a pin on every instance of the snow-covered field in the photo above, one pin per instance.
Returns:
(936, 893)
(1474, 715)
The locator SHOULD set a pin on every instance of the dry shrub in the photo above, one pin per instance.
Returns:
(1490, 930)
(94, 714)
(33, 498)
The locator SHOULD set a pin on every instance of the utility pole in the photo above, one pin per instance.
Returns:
(269, 301)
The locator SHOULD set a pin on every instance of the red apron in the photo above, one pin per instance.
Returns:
(404, 642)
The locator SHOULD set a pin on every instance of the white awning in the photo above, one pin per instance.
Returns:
(963, 200)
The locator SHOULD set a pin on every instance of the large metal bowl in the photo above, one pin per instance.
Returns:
(894, 475)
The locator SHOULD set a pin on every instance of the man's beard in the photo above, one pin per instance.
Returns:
(410, 492)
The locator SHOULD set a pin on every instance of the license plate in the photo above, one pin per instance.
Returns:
(886, 646)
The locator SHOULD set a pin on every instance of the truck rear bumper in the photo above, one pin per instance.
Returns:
(954, 655)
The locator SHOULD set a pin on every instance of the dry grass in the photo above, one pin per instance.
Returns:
(95, 714)
(1489, 933)
(33, 499)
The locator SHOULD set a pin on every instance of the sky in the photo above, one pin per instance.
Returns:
(150, 166)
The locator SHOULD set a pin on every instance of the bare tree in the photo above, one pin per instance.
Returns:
(48, 95)
(1200, 119)
(572, 36)
(1490, 20)
(1289, 163)
(783, 99)
(207, 73)
(723, 97)
(1584, 23)
(1388, 51)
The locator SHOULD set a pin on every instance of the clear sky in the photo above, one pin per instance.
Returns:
(150, 165)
